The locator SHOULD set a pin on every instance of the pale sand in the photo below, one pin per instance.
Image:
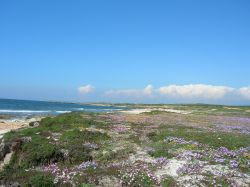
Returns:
(8, 125)
(139, 111)
(136, 111)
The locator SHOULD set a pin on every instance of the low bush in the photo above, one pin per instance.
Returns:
(214, 139)
(38, 151)
(41, 180)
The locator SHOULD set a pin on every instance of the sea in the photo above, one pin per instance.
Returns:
(25, 108)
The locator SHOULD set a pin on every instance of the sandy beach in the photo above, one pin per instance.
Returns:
(143, 110)
(7, 125)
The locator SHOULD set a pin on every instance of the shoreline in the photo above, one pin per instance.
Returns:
(6, 125)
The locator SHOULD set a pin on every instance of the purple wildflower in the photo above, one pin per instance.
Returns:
(159, 162)
(233, 164)
(189, 155)
(65, 175)
(179, 140)
(191, 168)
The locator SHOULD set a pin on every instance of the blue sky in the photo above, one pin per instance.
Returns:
(113, 50)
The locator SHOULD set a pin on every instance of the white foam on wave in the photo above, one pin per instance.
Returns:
(63, 111)
(96, 109)
(54, 111)
(25, 111)
(91, 109)
(80, 109)
(113, 109)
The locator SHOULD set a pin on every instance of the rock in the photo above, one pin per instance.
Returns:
(12, 146)
(171, 169)
(34, 124)
(141, 155)
(4, 149)
(91, 146)
(94, 130)
(15, 184)
(56, 136)
(4, 183)
(16, 145)
(6, 160)
(26, 139)
(65, 152)
(108, 181)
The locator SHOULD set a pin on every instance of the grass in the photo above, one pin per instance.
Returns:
(213, 139)
(162, 149)
(28, 178)
(36, 146)
(168, 182)
(109, 153)
(204, 109)
(73, 141)
(76, 136)
(59, 123)
(39, 151)
(70, 133)
(87, 185)
(41, 180)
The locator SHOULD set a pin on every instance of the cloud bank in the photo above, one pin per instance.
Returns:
(193, 91)
(147, 91)
(190, 93)
(85, 89)
(245, 92)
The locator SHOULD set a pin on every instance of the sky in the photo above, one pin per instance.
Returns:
(142, 51)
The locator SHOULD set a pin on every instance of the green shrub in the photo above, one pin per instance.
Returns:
(41, 180)
(69, 118)
(67, 121)
(39, 151)
(214, 139)
(87, 185)
(73, 141)
(78, 154)
(76, 136)
(168, 182)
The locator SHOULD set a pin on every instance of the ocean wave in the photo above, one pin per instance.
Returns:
(81, 109)
(99, 109)
(25, 111)
(63, 111)
(56, 111)
(112, 109)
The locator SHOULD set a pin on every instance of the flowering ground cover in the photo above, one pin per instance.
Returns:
(202, 148)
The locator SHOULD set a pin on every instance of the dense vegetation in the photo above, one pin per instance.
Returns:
(38, 146)
(87, 149)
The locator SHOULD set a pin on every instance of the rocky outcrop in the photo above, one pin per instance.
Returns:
(5, 148)
(4, 183)
(34, 123)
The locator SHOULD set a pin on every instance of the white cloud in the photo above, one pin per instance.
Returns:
(85, 89)
(245, 92)
(147, 91)
(183, 93)
(195, 91)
